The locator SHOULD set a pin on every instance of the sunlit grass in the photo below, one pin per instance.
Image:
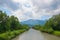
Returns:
(57, 33)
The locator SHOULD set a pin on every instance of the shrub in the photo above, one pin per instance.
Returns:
(11, 34)
(50, 30)
(57, 33)
(4, 36)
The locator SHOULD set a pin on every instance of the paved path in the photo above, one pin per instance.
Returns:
(35, 35)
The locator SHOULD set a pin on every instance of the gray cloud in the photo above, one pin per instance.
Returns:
(48, 6)
(28, 14)
(9, 4)
(35, 9)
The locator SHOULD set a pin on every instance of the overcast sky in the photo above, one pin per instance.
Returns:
(31, 9)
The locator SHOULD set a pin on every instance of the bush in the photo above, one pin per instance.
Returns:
(57, 33)
(50, 30)
(4, 36)
(10, 35)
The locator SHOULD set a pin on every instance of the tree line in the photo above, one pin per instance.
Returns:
(51, 26)
(9, 23)
(10, 26)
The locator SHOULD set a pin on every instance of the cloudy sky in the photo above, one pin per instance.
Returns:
(31, 9)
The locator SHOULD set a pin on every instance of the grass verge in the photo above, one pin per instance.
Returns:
(11, 34)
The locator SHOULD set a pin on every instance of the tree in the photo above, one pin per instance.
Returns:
(14, 23)
(9, 23)
(37, 27)
(54, 22)
(3, 20)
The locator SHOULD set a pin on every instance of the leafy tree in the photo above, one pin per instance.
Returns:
(37, 27)
(24, 26)
(14, 23)
(10, 23)
(3, 20)
(54, 22)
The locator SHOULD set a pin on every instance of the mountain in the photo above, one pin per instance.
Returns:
(32, 22)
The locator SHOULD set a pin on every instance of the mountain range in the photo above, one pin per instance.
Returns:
(32, 22)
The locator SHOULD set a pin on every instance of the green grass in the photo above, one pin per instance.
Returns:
(50, 31)
(57, 33)
(11, 34)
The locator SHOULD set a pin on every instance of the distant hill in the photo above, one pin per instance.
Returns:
(32, 22)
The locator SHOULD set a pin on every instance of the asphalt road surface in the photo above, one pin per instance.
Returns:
(36, 35)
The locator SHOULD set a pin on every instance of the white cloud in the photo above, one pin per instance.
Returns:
(26, 8)
(21, 15)
(36, 9)
(46, 7)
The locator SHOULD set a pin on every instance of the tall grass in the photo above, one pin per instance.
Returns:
(11, 34)
(57, 33)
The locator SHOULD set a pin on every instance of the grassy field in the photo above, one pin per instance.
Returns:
(11, 34)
